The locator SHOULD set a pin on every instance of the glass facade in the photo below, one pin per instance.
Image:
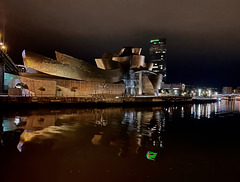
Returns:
(157, 55)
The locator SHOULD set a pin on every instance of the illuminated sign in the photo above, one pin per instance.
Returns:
(155, 40)
(151, 155)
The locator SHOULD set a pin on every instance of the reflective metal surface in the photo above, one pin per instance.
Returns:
(107, 64)
(69, 67)
(112, 68)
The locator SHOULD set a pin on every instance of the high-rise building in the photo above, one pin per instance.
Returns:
(157, 55)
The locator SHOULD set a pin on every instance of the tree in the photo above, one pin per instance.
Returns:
(42, 89)
(73, 89)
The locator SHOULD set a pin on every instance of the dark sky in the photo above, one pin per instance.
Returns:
(203, 36)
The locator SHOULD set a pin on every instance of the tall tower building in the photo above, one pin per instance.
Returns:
(157, 55)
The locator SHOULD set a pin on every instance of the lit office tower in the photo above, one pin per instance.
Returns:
(157, 55)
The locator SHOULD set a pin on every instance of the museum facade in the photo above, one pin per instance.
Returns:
(114, 74)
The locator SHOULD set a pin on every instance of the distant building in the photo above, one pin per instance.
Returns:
(227, 90)
(237, 90)
(174, 89)
(157, 55)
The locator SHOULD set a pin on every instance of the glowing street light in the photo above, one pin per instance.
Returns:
(3, 47)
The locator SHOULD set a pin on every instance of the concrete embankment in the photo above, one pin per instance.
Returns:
(92, 101)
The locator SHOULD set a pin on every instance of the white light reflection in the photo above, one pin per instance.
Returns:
(17, 120)
(198, 111)
(209, 110)
(182, 112)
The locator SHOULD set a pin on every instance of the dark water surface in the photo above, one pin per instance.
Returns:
(198, 142)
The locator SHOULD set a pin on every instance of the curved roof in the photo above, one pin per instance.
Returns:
(68, 67)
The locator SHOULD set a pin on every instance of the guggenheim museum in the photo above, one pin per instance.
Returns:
(123, 73)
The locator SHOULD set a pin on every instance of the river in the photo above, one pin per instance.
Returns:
(193, 142)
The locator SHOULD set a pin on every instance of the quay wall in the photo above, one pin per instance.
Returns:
(94, 100)
(66, 88)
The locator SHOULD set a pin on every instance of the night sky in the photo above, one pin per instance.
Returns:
(203, 37)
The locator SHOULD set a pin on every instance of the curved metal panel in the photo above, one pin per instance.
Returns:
(133, 50)
(156, 80)
(125, 61)
(113, 75)
(109, 55)
(137, 61)
(69, 67)
(107, 64)
(121, 51)
(136, 50)
(66, 59)
(148, 66)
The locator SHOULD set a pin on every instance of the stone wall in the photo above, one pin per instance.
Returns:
(63, 87)
(35, 84)
(14, 92)
(84, 88)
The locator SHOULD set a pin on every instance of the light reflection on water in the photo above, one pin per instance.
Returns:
(116, 143)
(126, 129)
(208, 110)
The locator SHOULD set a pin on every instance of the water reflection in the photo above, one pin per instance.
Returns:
(209, 110)
(130, 131)
(199, 110)
(129, 144)
(125, 129)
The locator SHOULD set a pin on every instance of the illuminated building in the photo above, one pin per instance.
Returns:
(173, 89)
(227, 90)
(115, 74)
(157, 55)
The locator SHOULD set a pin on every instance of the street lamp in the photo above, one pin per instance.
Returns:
(3, 48)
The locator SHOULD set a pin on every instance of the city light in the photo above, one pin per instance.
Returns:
(3, 47)
(209, 93)
(155, 40)
(199, 92)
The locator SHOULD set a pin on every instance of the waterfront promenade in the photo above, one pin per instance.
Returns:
(94, 100)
